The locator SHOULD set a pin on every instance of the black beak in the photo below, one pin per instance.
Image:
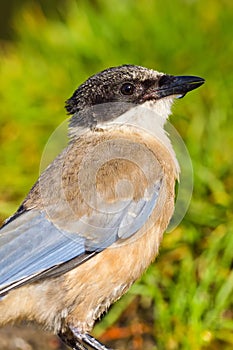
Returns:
(178, 85)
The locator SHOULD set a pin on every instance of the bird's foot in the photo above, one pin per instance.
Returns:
(70, 341)
(81, 341)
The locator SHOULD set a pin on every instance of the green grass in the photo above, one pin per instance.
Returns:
(188, 291)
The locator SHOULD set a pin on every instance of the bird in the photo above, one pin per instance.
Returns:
(94, 220)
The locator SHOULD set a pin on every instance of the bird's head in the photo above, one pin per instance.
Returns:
(125, 87)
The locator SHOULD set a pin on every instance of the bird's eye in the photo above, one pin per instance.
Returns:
(127, 89)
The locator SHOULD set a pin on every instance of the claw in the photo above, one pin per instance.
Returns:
(71, 341)
(76, 340)
(88, 340)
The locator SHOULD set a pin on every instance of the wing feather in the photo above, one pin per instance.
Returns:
(31, 244)
(33, 247)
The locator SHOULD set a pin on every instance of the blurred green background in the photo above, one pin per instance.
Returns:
(185, 299)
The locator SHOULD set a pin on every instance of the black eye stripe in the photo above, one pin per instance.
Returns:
(127, 89)
(148, 83)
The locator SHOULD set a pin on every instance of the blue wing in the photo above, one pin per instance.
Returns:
(32, 247)
(31, 244)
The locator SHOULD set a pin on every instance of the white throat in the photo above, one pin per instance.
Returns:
(161, 107)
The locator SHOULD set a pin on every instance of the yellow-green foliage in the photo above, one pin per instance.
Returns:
(189, 289)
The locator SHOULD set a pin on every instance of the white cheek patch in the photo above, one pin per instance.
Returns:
(151, 114)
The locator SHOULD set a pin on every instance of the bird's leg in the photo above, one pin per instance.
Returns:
(73, 338)
(71, 341)
(93, 343)
(87, 339)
